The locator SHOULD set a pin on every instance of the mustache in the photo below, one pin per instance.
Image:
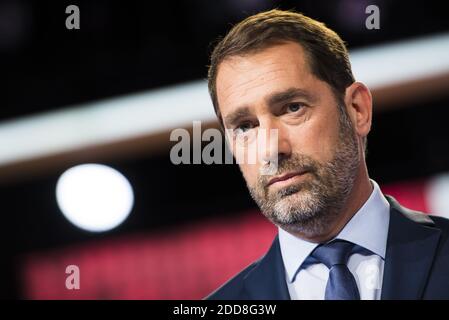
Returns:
(296, 162)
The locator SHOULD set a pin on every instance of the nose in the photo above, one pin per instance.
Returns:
(277, 146)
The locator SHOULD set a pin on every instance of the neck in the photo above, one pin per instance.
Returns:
(359, 194)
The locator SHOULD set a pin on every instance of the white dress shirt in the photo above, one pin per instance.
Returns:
(368, 228)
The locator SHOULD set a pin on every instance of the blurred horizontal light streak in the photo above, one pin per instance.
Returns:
(157, 111)
(104, 122)
(401, 61)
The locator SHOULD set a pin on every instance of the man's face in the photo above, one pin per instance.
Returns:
(317, 149)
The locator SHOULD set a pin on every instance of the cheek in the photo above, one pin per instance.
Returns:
(315, 138)
(250, 173)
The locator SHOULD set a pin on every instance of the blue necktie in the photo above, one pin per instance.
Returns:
(341, 284)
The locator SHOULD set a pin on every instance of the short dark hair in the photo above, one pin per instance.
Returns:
(325, 51)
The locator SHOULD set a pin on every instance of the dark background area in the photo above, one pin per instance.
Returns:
(131, 46)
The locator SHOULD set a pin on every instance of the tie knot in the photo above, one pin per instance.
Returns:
(333, 253)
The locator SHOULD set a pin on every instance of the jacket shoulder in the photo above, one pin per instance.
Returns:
(233, 288)
(443, 225)
(426, 219)
(413, 215)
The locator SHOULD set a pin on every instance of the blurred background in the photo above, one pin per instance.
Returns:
(111, 92)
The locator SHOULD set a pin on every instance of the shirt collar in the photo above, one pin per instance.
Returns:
(368, 228)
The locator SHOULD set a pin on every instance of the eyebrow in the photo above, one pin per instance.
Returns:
(234, 117)
(288, 95)
(273, 99)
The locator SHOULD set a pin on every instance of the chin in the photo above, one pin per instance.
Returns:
(296, 207)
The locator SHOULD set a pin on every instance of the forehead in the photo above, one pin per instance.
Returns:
(244, 79)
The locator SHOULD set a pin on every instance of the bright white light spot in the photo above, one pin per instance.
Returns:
(438, 195)
(94, 197)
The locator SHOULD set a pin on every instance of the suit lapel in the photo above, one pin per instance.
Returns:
(411, 246)
(267, 280)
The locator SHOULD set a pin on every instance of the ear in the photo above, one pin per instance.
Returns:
(359, 104)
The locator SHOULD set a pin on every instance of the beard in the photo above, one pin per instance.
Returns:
(310, 206)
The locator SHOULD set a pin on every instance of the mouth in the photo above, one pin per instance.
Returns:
(286, 178)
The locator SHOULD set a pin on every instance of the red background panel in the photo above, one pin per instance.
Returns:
(186, 263)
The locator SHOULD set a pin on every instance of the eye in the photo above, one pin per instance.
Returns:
(242, 128)
(294, 107)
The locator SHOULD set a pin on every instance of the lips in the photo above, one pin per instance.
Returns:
(285, 176)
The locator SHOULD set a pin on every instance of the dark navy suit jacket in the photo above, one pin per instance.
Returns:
(416, 263)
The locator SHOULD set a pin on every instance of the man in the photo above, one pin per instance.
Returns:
(339, 236)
